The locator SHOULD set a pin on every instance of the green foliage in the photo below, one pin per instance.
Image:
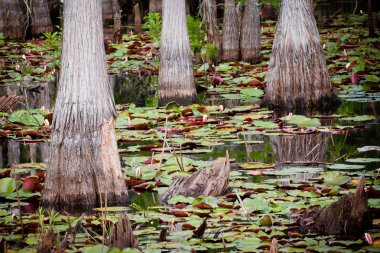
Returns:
(152, 25)
(209, 51)
(1, 38)
(196, 32)
(7, 185)
(33, 117)
(275, 3)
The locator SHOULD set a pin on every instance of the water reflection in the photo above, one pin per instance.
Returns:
(14, 152)
(303, 150)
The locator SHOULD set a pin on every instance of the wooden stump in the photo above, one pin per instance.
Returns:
(121, 235)
(10, 103)
(347, 216)
(211, 181)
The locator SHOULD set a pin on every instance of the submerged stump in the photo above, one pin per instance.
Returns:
(347, 216)
(121, 235)
(211, 181)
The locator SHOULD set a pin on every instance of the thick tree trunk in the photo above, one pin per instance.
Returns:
(109, 9)
(12, 19)
(230, 39)
(136, 10)
(250, 34)
(371, 24)
(41, 21)
(84, 166)
(297, 70)
(209, 16)
(155, 6)
(176, 78)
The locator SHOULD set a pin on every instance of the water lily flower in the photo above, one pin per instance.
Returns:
(137, 172)
(368, 238)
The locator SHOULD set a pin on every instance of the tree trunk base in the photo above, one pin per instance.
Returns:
(211, 181)
(231, 55)
(347, 216)
(250, 55)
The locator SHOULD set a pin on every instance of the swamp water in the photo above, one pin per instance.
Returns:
(282, 171)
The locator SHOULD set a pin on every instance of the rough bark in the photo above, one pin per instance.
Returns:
(155, 5)
(110, 8)
(347, 216)
(211, 181)
(250, 34)
(176, 78)
(209, 18)
(10, 103)
(297, 72)
(230, 37)
(84, 166)
(136, 10)
(371, 24)
(41, 21)
(121, 235)
(12, 19)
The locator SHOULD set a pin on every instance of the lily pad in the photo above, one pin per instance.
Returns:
(343, 166)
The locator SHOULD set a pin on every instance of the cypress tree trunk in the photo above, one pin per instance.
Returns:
(371, 24)
(136, 10)
(109, 9)
(41, 21)
(84, 166)
(209, 18)
(250, 34)
(12, 19)
(176, 78)
(155, 5)
(230, 37)
(298, 75)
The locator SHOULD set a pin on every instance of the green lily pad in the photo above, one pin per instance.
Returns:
(343, 166)
(7, 185)
(363, 160)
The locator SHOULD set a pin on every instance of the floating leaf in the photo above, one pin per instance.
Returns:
(363, 160)
(255, 204)
(252, 92)
(7, 185)
(343, 166)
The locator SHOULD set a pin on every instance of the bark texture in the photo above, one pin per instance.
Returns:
(110, 8)
(347, 216)
(250, 34)
(41, 21)
(297, 70)
(371, 24)
(212, 181)
(176, 78)
(121, 235)
(12, 19)
(209, 18)
(230, 37)
(136, 10)
(84, 166)
(155, 5)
